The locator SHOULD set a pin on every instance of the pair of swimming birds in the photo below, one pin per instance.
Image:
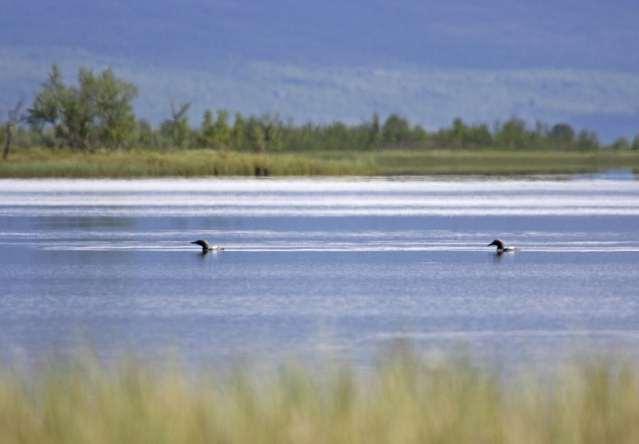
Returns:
(501, 248)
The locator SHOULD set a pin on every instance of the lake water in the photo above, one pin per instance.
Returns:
(319, 268)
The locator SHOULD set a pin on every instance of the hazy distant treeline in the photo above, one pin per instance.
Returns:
(97, 112)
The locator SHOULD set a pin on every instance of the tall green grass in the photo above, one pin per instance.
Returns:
(181, 163)
(38, 162)
(404, 400)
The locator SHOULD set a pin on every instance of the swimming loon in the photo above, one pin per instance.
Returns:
(206, 247)
(501, 248)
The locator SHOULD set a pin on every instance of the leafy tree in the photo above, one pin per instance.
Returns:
(512, 134)
(59, 106)
(562, 135)
(238, 132)
(48, 104)
(375, 132)
(97, 112)
(222, 130)
(395, 130)
(587, 140)
(215, 133)
(635, 142)
(113, 114)
(207, 130)
(176, 129)
(458, 132)
(479, 136)
(538, 136)
(272, 128)
(420, 135)
(461, 135)
(255, 135)
(14, 118)
(621, 144)
(146, 137)
(335, 136)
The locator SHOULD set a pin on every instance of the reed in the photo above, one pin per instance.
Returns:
(39, 162)
(404, 400)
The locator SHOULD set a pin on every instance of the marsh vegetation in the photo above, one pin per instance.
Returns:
(403, 400)
(42, 162)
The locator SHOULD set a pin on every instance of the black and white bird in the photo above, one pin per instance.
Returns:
(501, 248)
(206, 247)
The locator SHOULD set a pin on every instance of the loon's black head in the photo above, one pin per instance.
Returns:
(497, 243)
(203, 244)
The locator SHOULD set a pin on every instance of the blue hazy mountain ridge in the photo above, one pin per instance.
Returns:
(460, 34)
(279, 56)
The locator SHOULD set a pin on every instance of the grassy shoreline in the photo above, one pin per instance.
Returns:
(38, 162)
(403, 400)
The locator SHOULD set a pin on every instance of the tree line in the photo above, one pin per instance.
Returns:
(97, 113)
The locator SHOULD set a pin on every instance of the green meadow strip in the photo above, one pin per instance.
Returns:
(37, 162)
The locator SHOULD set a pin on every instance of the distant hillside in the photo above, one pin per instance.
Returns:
(494, 34)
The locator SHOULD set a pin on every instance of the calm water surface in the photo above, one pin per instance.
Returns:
(319, 268)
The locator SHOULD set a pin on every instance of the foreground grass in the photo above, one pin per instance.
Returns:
(405, 400)
(35, 162)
